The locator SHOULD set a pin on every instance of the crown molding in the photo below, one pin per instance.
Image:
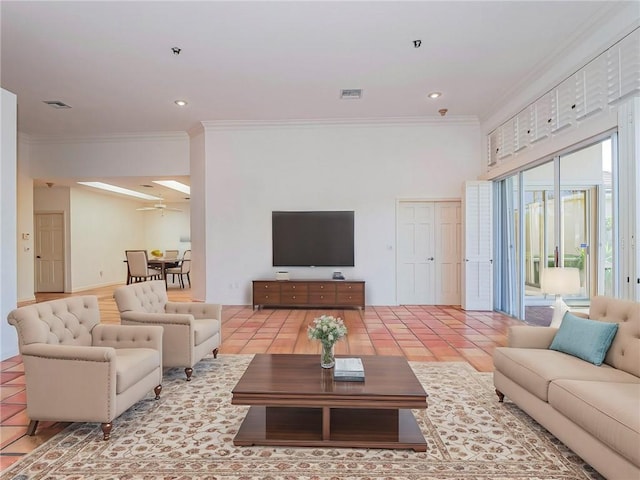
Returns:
(107, 138)
(439, 121)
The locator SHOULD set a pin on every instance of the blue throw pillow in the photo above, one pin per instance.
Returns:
(583, 338)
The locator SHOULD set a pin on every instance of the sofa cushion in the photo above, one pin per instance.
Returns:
(586, 339)
(625, 349)
(609, 411)
(205, 329)
(133, 364)
(533, 369)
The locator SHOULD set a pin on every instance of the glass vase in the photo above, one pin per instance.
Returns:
(327, 359)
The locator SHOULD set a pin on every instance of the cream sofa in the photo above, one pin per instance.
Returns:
(594, 410)
(77, 370)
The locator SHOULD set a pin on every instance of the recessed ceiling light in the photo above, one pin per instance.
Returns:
(181, 187)
(180, 103)
(434, 95)
(116, 189)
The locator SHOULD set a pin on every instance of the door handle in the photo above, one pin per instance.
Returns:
(38, 256)
(430, 259)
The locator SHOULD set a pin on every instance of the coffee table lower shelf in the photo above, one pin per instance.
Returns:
(331, 427)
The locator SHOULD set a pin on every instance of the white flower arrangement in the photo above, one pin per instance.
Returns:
(327, 329)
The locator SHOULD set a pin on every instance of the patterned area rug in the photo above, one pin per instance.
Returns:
(188, 435)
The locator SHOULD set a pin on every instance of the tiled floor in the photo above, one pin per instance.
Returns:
(420, 333)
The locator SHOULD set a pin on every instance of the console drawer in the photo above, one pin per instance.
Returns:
(266, 298)
(349, 299)
(322, 298)
(293, 288)
(322, 287)
(265, 286)
(350, 288)
(295, 298)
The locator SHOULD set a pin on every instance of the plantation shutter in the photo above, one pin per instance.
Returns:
(591, 87)
(478, 246)
(506, 138)
(494, 149)
(522, 129)
(541, 118)
(623, 68)
(562, 105)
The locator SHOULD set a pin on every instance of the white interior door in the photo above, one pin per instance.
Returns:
(416, 251)
(49, 246)
(429, 253)
(448, 253)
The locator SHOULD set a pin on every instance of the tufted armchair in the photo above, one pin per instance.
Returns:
(191, 329)
(78, 370)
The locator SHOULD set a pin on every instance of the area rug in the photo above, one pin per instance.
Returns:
(188, 435)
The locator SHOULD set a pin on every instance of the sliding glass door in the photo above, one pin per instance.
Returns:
(568, 217)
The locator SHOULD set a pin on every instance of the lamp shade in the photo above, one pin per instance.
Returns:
(560, 280)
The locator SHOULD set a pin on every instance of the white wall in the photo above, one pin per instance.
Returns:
(99, 228)
(25, 255)
(8, 220)
(255, 169)
(109, 156)
(199, 187)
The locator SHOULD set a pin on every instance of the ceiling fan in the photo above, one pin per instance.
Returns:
(161, 207)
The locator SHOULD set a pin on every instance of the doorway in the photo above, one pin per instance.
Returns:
(49, 251)
(428, 268)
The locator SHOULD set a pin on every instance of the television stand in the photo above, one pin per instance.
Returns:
(308, 293)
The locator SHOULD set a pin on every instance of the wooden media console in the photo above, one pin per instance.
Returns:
(308, 293)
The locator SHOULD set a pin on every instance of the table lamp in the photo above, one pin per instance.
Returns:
(560, 281)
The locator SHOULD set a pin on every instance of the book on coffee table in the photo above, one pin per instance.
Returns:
(348, 370)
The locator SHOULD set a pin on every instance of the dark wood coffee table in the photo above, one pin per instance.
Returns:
(295, 402)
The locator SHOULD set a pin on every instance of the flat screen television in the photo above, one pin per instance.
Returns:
(313, 239)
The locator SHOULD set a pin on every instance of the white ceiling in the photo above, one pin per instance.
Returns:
(112, 62)
(139, 184)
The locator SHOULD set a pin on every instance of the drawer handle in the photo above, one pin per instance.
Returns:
(321, 296)
(266, 296)
(266, 286)
(294, 296)
(349, 287)
(321, 286)
(349, 297)
(293, 286)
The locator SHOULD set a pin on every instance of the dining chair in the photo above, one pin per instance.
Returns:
(182, 270)
(138, 267)
(172, 255)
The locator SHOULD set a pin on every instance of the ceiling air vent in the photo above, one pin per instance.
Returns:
(351, 93)
(56, 104)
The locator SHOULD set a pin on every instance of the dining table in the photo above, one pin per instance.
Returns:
(163, 264)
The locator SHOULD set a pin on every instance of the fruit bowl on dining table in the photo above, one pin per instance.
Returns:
(156, 253)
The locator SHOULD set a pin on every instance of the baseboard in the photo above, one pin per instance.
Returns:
(92, 287)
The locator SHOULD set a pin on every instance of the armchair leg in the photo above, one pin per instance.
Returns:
(157, 391)
(31, 429)
(500, 395)
(215, 353)
(106, 430)
(189, 372)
